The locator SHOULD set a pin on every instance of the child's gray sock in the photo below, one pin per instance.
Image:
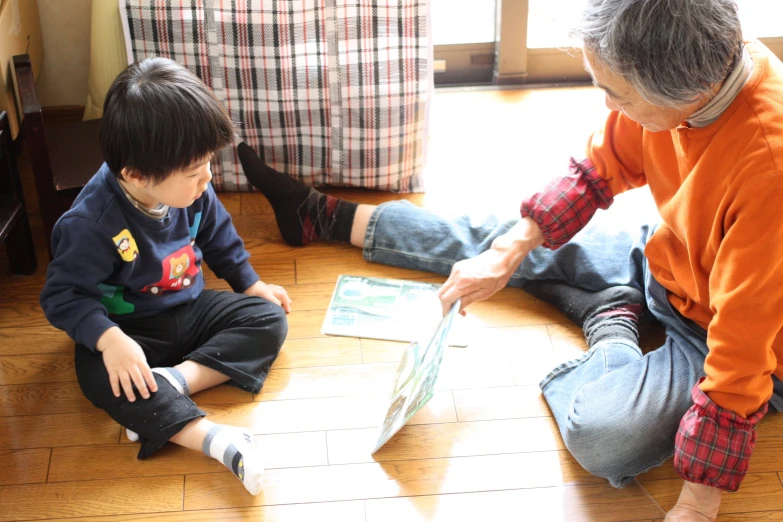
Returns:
(234, 448)
(176, 379)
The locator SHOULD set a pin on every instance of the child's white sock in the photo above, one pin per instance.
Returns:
(176, 379)
(234, 448)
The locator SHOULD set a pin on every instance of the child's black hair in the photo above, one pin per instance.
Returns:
(158, 118)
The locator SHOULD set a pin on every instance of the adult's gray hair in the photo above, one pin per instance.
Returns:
(670, 51)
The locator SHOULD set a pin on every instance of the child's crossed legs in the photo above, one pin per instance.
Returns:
(237, 339)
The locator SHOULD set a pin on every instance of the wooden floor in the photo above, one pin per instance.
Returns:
(485, 447)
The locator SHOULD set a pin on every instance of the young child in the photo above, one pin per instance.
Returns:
(126, 282)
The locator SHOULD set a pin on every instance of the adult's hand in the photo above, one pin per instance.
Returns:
(481, 277)
(697, 503)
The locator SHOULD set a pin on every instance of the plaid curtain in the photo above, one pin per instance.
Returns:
(336, 92)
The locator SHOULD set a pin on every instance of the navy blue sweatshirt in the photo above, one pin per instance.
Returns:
(110, 260)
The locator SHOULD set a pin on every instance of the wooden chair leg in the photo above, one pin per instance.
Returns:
(20, 249)
(49, 204)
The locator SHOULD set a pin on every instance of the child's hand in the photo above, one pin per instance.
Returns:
(126, 363)
(273, 293)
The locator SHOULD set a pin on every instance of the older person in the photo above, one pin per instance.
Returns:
(697, 115)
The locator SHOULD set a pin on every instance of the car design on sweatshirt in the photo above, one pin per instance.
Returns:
(179, 270)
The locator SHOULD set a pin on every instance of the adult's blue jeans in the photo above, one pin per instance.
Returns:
(617, 409)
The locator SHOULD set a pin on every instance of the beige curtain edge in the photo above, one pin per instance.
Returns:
(107, 54)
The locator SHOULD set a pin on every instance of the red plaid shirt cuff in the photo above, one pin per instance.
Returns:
(568, 203)
(713, 445)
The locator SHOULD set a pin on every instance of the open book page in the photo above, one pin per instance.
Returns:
(416, 378)
(387, 309)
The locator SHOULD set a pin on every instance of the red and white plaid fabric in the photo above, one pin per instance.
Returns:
(335, 91)
(713, 446)
(565, 206)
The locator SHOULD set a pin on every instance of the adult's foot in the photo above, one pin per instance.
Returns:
(612, 313)
(303, 214)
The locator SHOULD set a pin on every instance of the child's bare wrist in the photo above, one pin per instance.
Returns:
(108, 338)
(254, 288)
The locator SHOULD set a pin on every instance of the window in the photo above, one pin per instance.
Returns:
(462, 21)
(761, 18)
(524, 41)
(463, 32)
(549, 22)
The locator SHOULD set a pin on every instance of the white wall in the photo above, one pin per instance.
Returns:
(65, 26)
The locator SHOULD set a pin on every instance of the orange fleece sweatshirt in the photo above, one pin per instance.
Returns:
(719, 248)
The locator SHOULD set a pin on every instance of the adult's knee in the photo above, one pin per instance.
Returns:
(602, 440)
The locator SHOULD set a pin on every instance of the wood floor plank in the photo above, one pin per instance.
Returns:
(305, 324)
(313, 296)
(511, 340)
(463, 439)
(22, 289)
(84, 499)
(352, 511)
(771, 424)
(462, 367)
(328, 381)
(513, 402)
(254, 203)
(43, 399)
(766, 458)
(322, 351)
(39, 368)
(262, 238)
(583, 503)
(257, 230)
(232, 201)
(759, 492)
(222, 394)
(47, 431)
(373, 197)
(530, 344)
(119, 460)
(293, 450)
(24, 313)
(568, 341)
(530, 367)
(751, 517)
(389, 479)
(513, 312)
(335, 413)
(321, 263)
(377, 351)
(279, 272)
(34, 340)
(24, 466)
(459, 370)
